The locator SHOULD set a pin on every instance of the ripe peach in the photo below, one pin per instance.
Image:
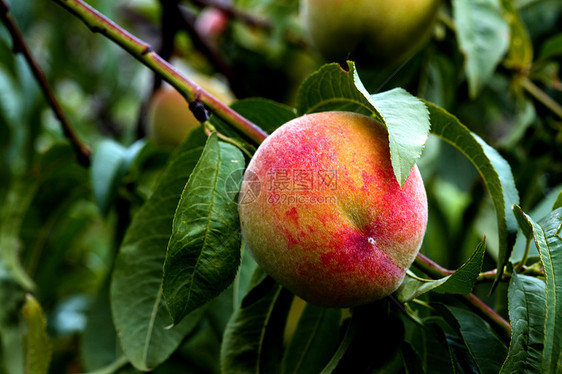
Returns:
(329, 220)
(386, 32)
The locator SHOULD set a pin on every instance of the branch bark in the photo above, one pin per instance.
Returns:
(144, 53)
(435, 270)
(83, 153)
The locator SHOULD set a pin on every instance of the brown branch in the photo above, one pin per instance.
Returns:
(144, 53)
(437, 271)
(83, 153)
(187, 22)
(250, 20)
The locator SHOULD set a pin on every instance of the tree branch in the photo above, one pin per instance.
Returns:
(542, 96)
(83, 153)
(437, 271)
(144, 53)
(231, 11)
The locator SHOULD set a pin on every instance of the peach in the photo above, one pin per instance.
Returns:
(385, 31)
(322, 212)
(169, 119)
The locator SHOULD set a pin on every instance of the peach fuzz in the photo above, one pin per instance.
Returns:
(330, 222)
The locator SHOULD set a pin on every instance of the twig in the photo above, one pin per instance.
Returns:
(431, 268)
(435, 270)
(231, 11)
(541, 96)
(144, 53)
(187, 22)
(83, 153)
(248, 19)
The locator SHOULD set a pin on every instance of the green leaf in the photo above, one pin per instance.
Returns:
(558, 203)
(407, 121)
(253, 338)
(460, 282)
(437, 356)
(12, 213)
(266, 114)
(540, 209)
(526, 300)
(314, 342)
(100, 344)
(204, 249)
(484, 346)
(12, 297)
(110, 162)
(374, 320)
(405, 117)
(483, 36)
(547, 235)
(520, 53)
(552, 47)
(39, 347)
(351, 331)
(139, 313)
(494, 170)
(113, 367)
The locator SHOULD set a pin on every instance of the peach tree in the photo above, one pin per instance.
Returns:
(118, 255)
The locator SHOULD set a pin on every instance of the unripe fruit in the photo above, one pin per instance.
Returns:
(322, 213)
(384, 32)
(169, 118)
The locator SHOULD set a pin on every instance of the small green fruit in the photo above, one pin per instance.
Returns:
(381, 32)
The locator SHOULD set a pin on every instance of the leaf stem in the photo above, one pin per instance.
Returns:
(83, 153)
(435, 270)
(144, 53)
(521, 263)
(541, 96)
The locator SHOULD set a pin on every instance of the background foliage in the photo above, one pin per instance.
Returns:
(92, 259)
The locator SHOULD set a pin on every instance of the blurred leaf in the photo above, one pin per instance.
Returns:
(411, 361)
(405, 117)
(483, 37)
(484, 346)
(520, 53)
(437, 85)
(12, 297)
(12, 213)
(110, 162)
(460, 282)
(112, 367)
(100, 345)
(366, 354)
(552, 47)
(139, 313)
(39, 347)
(527, 315)
(495, 171)
(351, 331)
(547, 235)
(252, 341)
(204, 250)
(314, 341)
